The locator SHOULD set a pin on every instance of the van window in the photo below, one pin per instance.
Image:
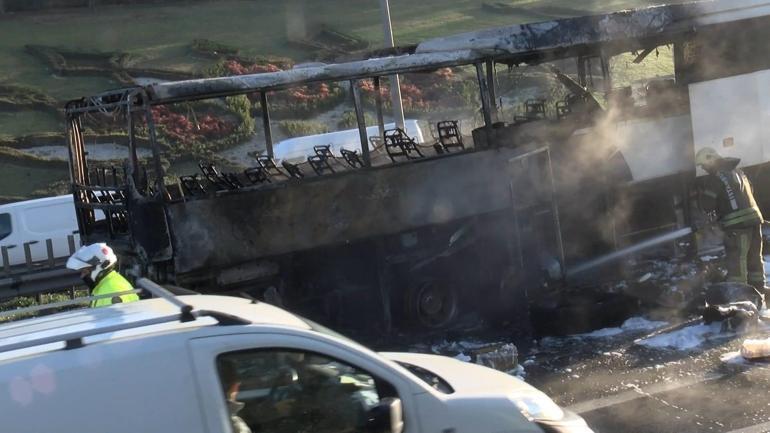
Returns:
(281, 390)
(5, 225)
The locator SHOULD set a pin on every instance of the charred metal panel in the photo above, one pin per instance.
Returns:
(584, 174)
(150, 230)
(244, 226)
(591, 30)
(223, 86)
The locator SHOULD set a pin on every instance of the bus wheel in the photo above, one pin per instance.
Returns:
(432, 304)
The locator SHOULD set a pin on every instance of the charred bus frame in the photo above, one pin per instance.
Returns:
(426, 224)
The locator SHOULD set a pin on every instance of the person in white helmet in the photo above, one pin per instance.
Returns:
(97, 263)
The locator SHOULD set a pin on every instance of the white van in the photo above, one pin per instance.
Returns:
(35, 221)
(212, 364)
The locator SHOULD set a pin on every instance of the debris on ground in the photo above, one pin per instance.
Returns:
(502, 356)
(729, 292)
(735, 305)
(666, 283)
(519, 372)
(756, 349)
(737, 317)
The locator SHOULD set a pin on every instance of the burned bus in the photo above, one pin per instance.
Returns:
(395, 234)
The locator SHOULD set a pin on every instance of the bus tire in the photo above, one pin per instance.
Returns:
(432, 304)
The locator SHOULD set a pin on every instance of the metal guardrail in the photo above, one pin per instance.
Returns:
(32, 284)
(50, 261)
(33, 277)
(74, 339)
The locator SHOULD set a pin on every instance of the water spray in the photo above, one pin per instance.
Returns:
(619, 254)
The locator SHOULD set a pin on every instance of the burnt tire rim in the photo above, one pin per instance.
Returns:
(435, 305)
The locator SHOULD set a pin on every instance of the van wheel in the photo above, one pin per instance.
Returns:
(432, 304)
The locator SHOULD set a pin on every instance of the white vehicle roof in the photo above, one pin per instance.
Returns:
(51, 332)
(36, 202)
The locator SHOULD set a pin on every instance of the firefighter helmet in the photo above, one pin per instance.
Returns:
(707, 157)
(98, 259)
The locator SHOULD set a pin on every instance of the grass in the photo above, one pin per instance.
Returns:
(16, 178)
(24, 96)
(625, 71)
(22, 122)
(301, 128)
(45, 298)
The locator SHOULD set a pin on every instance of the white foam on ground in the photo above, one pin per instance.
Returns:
(735, 358)
(519, 372)
(600, 333)
(684, 339)
(642, 324)
(632, 324)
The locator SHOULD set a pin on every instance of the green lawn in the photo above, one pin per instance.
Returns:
(22, 122)
(625, 71)
(20, 179)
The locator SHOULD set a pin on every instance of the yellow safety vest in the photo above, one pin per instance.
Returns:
(113, 282)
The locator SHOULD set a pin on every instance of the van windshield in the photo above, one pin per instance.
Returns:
(326, 331)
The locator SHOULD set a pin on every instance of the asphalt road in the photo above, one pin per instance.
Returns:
(620, 386)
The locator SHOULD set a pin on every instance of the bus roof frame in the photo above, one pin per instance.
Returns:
(515, 44)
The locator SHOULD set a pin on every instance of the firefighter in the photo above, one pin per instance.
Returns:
(97, 263)
(728, 192)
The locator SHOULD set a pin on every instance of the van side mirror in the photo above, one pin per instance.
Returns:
(386, 417)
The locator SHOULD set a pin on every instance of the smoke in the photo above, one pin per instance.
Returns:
(618, 173)
(642, 135)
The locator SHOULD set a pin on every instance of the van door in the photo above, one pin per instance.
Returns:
(272, 382)
(33, 222)
(50, 219)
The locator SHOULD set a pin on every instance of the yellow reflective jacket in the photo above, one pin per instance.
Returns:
(113, 282)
